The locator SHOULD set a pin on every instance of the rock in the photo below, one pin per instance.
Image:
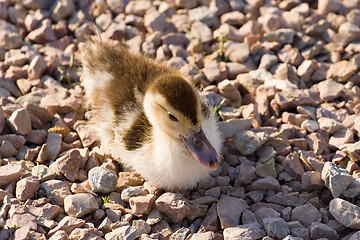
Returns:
(25, 220)
(15, 57)
(235, 18)
(173, 205)
(154, 217)
(155, 21)
(42, 113)
(345, 213)
(56, 191)
(20, 121)
(247, 142)
(229, 210)
(7, 149)
(67, 224)
(10, 37)
(285, 199)
(246, 232)
(266, 169)
(53, 142)
(276, 227)
(266, 183)
(293, 166)
(319, 230)
(43, 33)
(142, 205)
(187, 4)
(341, 71)
(310, 125)
(124, 232)
(86, 132)
(237, 52)
(80, 204)
(336, 179)
(129, 192)
(311, 180)
(45, 211)
(341, 137)
(129, 179)
(329, 125)
(265, 212)
(141, 227)
(86, 233)
(306, 214)
(229, 90)
(102, 180)
(36, 136)
(138, 8)
(213, 72)
(204, 14)
(27, 187)
(62, 9)
(288, 100)
(306, 69)
(9, 173)
(282, 35)
(69, 164)
(330, 89)
(37, 67)
(268, 60)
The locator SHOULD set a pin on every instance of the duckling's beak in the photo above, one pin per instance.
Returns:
(202, 149)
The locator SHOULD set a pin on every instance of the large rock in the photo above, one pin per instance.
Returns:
(80, 204)
(336, 179)
(306, 214)
(244, 232)
(229, 210)
(247, 142)
(9, 37)
(102, 180)
(9, 173)
(173, 205)
(345, 213)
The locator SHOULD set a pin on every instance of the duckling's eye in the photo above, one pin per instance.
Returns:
(172, 117)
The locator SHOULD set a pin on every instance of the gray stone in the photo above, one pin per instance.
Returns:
(102, 180)
(320, 230)
(276, 227)
(229, 210)
(80, 204)
(9, 173)
(121, 233)
(204, 14)
(336, 179)
(201, 31)
(244, 232)
(230, 127)
(62, 9)
(247, 142)
(330, 89)
(10, 37)
(329, 125)
(20, 121)
(306, 214)
(56, 191)
(173, 205)
(345, 213)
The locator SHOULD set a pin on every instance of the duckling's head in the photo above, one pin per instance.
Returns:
(173, 107)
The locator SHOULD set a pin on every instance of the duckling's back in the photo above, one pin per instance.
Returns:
(111, 75)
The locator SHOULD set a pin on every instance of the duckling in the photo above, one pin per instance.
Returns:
(149, 117)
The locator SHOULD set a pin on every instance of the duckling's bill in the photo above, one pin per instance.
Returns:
(201, 148)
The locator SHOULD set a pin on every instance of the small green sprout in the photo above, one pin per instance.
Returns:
(105, 199)
(65, 71)
(217, 107)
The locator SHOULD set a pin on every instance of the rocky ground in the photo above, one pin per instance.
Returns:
(289, 74)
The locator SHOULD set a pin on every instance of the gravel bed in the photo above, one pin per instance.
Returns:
(288, 72)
